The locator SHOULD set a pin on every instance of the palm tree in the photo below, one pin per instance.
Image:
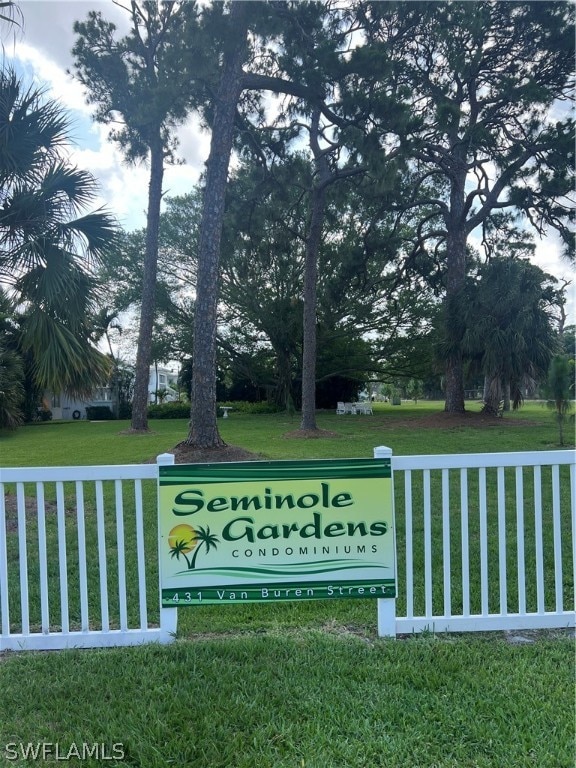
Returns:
(509, 335)
(181, 547)
(49, 247)
(209, 540)
(10, 13)
(559, 390)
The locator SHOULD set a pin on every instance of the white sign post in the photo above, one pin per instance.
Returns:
(387, 605)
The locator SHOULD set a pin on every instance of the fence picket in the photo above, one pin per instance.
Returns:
(23, 557)
(4, 604)
(502, 570)
(465, 542)
(573, 506)
(409, 544)
(557, 538)
(427, 544)
(43, 558)
(62, 558)
(520, 544)
(139, 512)
(539, 541)
(121, 555)
(483, 541)
(82, 570)
(104, 612)
(446, 542)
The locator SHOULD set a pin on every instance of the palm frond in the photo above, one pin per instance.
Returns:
(62, 361)
(94, 234)
(32, 130)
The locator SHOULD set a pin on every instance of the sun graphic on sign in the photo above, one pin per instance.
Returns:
(182, 539)
(183, 535)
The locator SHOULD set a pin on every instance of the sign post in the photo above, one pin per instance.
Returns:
(278, 530)
(387, 605)
(168, 616)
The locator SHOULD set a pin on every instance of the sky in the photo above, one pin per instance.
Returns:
(41, 50)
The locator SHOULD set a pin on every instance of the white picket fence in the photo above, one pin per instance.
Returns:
(117, 493)
(513, 511)
(484, 541)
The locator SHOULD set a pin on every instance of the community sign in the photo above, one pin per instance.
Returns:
(280, 530)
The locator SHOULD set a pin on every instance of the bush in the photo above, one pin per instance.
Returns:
(182, 410)
(98, 412)
(169, 411)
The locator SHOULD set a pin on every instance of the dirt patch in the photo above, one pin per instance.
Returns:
(310, 434)
(185, 454)
(31, 507)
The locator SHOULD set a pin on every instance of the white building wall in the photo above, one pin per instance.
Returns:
(69, 408)
(166, 379)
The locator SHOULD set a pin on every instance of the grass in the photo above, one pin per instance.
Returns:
(293, 685)
(80, 442)
(311, 699)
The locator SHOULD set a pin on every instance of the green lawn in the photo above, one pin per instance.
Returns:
(80, 442)
(295, 685)
(291, 699)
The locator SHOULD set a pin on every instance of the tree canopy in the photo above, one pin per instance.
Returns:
(452, 133)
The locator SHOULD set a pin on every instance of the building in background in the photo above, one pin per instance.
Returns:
(162, 388)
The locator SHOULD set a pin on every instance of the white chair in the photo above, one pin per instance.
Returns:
(340, 410)
(349, 408)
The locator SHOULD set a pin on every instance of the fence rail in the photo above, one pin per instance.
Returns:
(484, 541)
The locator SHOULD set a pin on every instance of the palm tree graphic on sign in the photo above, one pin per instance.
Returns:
(183, 539)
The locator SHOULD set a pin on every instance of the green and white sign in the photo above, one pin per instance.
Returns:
(282, 530)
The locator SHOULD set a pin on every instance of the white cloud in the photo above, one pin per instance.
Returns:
(48, 24)
(42, 50)
(548, 257)
(69, 92)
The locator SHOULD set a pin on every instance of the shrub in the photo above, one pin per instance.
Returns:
(98, 412)
(169, 411)
(182, 410)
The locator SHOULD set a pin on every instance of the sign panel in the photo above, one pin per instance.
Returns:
(279, 530)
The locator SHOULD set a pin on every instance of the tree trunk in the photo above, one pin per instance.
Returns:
(455, 281)
(313, 241)
(507, 389)
(310, 302)
(493, 396)
(144, 352)
(203, 427)
(283, 394)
